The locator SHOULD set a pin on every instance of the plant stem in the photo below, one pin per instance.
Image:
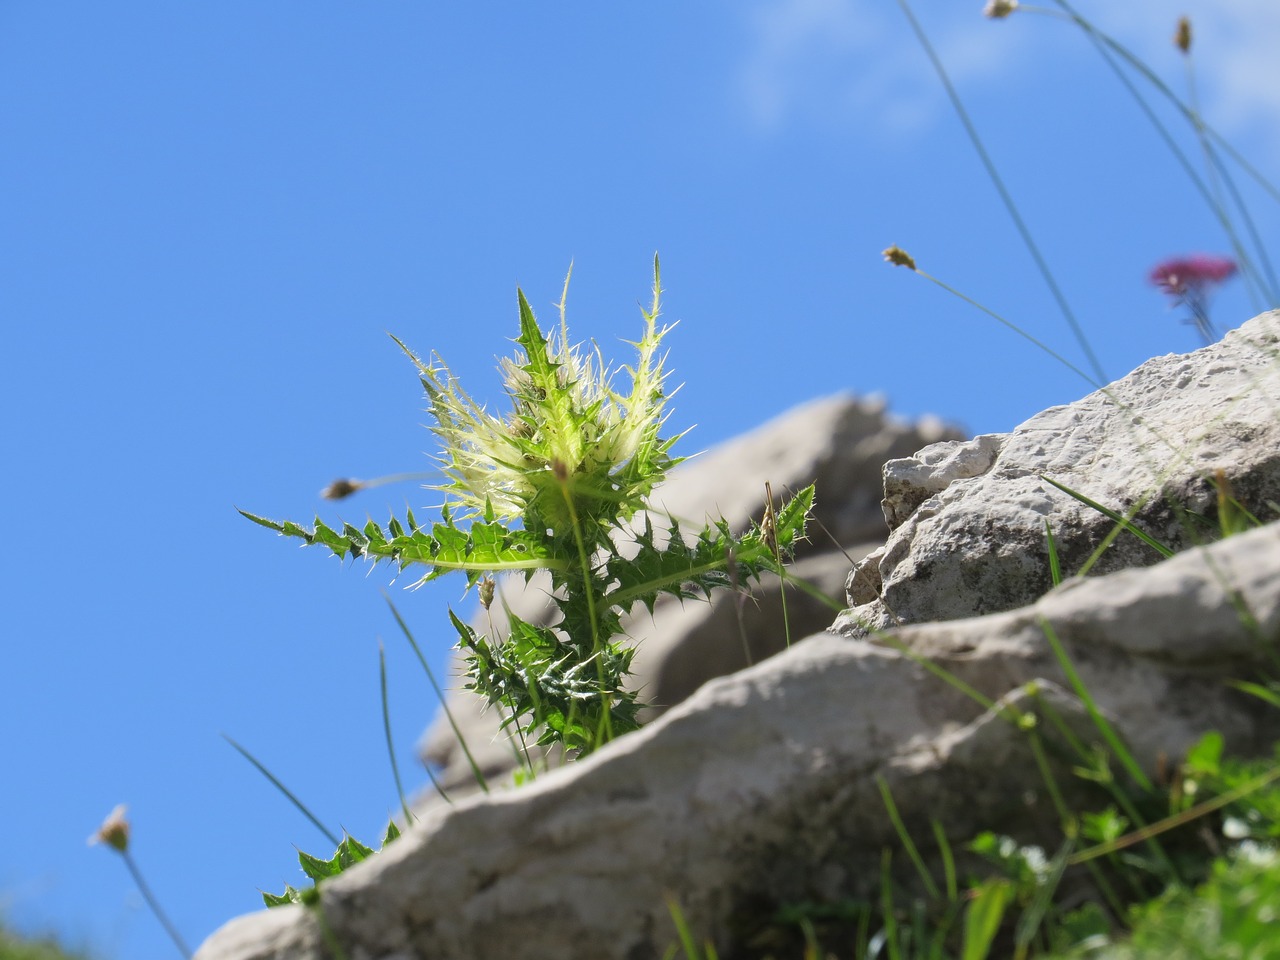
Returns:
(386, 727)
(605, 731)
(444, 703)
(1164, 88)
(154, 904)
(302, 808)
(1005, 196)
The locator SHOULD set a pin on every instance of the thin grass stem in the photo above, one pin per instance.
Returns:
(886, 907)
(444, 703)
(1108, 732)
(154, 904)
(1092, 381)
(1178, 819)
(1055, 567)
(1216, 172)
(301, 807)
(905, 837)
(1029, 923)
(1046, 774)
(948, 860)
(1005, 197)
(1150, 75)
(947, 676)
(1122, 523)
(386, 728)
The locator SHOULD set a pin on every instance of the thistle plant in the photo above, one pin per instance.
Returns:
(561, 483)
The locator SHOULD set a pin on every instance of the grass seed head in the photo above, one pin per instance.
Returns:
(899, 257)
(999, 9)
(1182, 37)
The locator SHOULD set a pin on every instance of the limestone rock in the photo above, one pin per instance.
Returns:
(761, 789)
(968, 518)
(840, 443)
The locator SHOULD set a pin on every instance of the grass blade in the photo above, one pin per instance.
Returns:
(1268, 694)
(1055, 568)
(1023, 231)
(386, 726)
(1109, 734)
(1110, 514)
(302, 808)
(982, 919)
(948, 860)
(444, 703)
(1029, 923)
(905, 837)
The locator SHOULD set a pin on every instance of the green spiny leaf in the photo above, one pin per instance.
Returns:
(317, 869)
(290, 895)
(485, 548)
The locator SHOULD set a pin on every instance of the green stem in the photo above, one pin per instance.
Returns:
(386, 728)
(1215, 187)
(154, 904)
(302, 807)
(1172, 97)
(1012, 326)
(605, 732)
(444, 702)
(1005, 196)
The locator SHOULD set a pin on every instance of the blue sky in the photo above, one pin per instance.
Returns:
(214, 213)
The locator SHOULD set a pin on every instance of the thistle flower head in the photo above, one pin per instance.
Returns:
(1190, 281)
(1182, 277)
(570, 445)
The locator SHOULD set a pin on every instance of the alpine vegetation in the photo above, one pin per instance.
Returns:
(557, 484)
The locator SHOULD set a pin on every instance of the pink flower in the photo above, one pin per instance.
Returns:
(1189, 280)
(1186, 275)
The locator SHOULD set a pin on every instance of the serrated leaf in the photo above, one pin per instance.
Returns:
(483, 548)
(352, 851)
(289, 896)
(317, 869)
(688, 570)
(393, 833)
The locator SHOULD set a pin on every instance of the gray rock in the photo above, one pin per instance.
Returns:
(763, 788)
(968, 519)
(840, 443)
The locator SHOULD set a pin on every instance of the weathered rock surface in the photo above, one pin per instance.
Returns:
(841, 443)
(968, 518)
(761, 789)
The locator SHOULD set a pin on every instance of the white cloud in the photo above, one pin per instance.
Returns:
(838, 61)
(832, 61)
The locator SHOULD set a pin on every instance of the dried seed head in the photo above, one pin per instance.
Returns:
(899, 257)
(999, 9)
(486, 592)
(341, 489)
(114, 831)
(1182, 37)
